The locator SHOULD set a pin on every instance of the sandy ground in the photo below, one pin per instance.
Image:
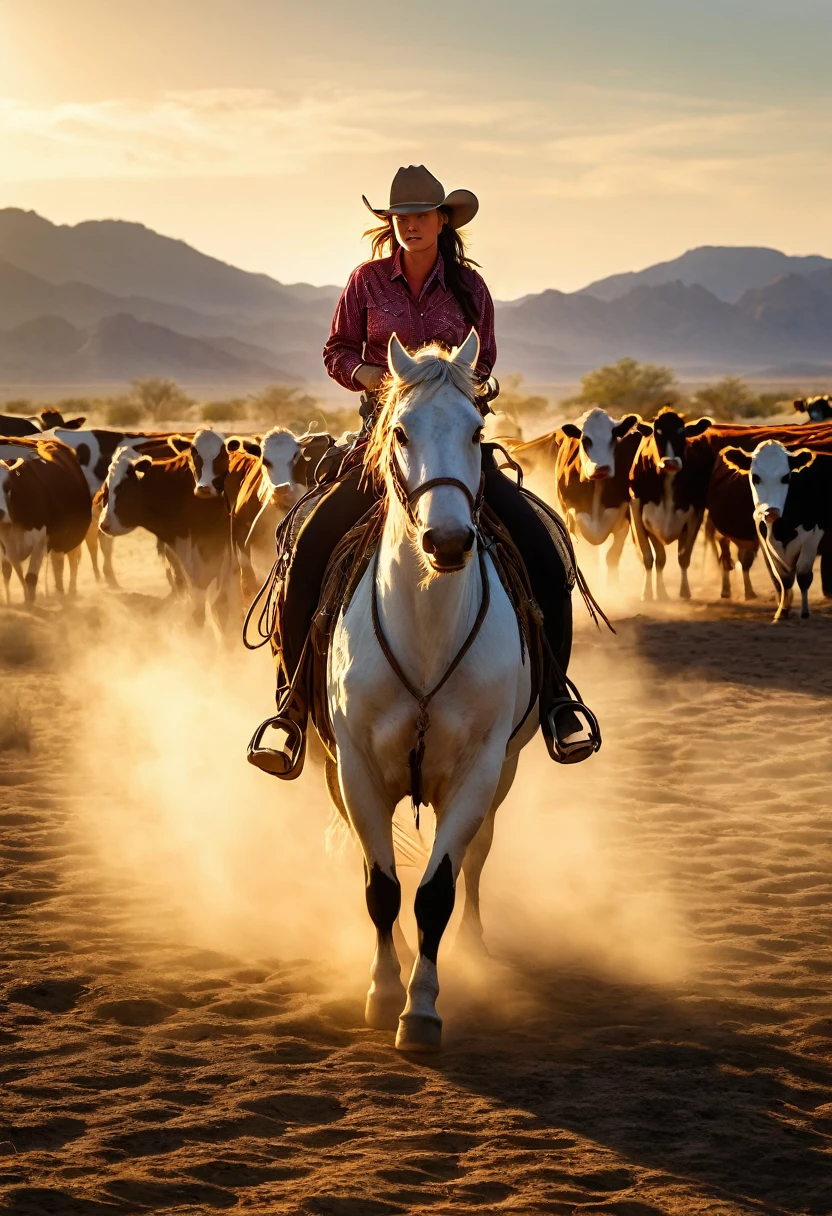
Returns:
(184, 956)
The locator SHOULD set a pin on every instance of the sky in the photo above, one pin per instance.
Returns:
(599, 135)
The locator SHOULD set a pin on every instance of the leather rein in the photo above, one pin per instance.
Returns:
(408, 498)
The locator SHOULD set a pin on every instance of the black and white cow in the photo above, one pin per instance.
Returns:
(792, 496)
(819, 409)
(667, 505)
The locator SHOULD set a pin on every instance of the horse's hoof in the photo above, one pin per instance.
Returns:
(382, 1012)
(419, 1033)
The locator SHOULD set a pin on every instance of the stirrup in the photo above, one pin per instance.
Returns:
(285, 763)
(579, 749)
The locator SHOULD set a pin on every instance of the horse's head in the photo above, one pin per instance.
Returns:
(427, 448)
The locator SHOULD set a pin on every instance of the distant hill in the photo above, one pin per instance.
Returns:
(129, 259)
(724, 270)
(108, 300)
(51, 350)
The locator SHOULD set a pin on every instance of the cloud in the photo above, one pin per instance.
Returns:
(574, 143)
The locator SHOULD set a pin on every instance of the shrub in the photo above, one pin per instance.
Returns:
(20, 405)
(732, 398)
(629, 386)
(225, 411)
(121, 411)
(160, 398)
(519, 405)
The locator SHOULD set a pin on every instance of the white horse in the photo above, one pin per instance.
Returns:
(422, 598)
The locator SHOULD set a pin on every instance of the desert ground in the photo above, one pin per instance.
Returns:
(185, 950)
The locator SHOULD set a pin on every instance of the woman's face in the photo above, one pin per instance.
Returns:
(417, 233)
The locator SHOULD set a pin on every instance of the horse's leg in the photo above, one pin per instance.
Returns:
(420, 1026)
(371, 817)
(470, 928)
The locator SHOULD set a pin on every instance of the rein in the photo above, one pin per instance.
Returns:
(417, 753)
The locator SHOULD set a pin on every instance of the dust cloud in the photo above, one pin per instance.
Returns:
(235, 861)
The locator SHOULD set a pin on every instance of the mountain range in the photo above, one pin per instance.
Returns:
(107, 300)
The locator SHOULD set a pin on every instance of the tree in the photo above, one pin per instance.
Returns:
(518, 404)
(727, 399)
(160, 398)
(628, 385)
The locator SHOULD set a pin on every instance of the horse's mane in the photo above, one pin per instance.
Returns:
(433, 368)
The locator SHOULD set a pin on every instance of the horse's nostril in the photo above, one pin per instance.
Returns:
(469, 541)
(428, 541)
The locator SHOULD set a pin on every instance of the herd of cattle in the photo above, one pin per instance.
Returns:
(213, 502)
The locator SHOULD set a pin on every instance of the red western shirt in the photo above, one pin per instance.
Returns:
(377, 302)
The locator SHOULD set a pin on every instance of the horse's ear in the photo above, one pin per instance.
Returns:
(469, 352)
(398, 360)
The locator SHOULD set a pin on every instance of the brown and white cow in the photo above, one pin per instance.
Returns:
(158, 495)
(15, 426)
(45, 507)
(667, 504)
(593, 478)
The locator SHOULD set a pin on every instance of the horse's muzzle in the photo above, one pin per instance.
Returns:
(448, 551)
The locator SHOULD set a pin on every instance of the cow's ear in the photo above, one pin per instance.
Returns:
(234, 444)
(626, 424)
(11, 465)
(143, 465)
(698, 428)
(74, 424)
(801, 459)
(179, 444)
(252, 447)
(800, 405)
(569, 428)
(737, 459)
(644, 428)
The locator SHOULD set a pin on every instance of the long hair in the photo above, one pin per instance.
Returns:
(452, 248)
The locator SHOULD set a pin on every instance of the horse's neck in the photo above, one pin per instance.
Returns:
(425, 622)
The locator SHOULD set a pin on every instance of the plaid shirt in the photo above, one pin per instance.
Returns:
(377, 302)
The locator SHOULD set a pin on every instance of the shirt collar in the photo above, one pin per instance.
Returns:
(397, 270)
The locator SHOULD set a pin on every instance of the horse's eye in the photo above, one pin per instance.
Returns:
(477, 436)
(755, 479)
(401, 436)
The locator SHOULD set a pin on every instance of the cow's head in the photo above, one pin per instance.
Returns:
(598, 434)
(670, 434)
(283, 479)
(208, 458)
(50, 418)
(7, 470)
(770, 467)
(122, 496)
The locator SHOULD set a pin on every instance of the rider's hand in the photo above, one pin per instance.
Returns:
(370, 376)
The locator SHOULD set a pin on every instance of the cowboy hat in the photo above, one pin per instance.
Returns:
(414, 189)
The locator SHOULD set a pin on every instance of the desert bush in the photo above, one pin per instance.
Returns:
(15, 728)
(284, 405)
(519, 405)
(160, 398)
(20, 405)
(225, 411)
(731, 398)
(121, 411)
(71, 407)
(628, 386)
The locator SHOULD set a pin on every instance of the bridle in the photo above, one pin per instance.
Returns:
(408, 499)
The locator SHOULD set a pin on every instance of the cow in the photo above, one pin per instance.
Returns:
(270, 487)
(819, 409)
(666, 504)
(141, 491)
(15, 426)
(792, 502)
(592, 473)
(45, 507)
